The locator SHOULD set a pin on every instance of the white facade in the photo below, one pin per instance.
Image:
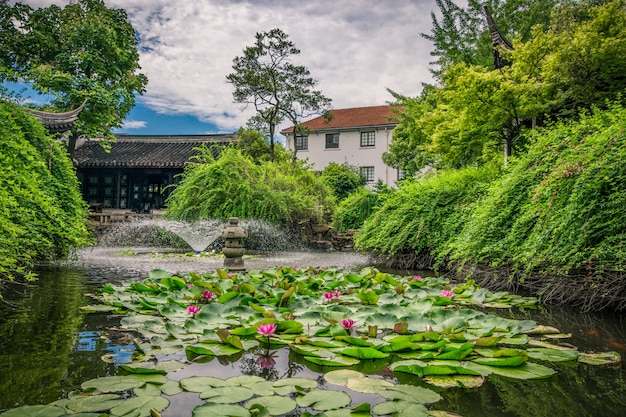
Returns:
(360, 146)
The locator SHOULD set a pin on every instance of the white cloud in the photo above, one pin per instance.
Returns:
(134, 124)
(356, 49)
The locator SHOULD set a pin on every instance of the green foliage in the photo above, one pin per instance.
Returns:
(342, 179)
(284, 192)
(423, 215)
(81, 51)
(561, 206)
(356, 208)
(574, 62)
(42, 214)
(460, 34)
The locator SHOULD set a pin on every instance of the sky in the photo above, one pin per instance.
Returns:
(355, 49)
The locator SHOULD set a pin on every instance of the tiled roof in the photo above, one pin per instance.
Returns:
(353, 118)
(145, 151)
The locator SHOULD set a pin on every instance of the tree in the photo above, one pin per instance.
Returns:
(265, 78)
(576, 63)
(343, 179)
(82, 51)
(460, 35)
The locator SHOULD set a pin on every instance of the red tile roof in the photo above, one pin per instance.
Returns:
(353, 118)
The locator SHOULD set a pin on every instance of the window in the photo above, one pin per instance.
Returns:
(367, 173)
(332, 140)
(368, 139)
(302, 143)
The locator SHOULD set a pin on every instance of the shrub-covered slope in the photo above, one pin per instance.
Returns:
(42, 214)
(557, 212)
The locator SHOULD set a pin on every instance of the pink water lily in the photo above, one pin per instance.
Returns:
(189, 285)
(267, 329)
(329, 295)
(447, 293)
(417, 278)
(193, 310)
(207, 295)
(348, 323)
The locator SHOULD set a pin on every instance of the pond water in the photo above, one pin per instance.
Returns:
(48, 346)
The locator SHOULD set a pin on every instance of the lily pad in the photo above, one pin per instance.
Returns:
(275, 405)
(227, 394)
(201, 383)
(401, 409)
(220, 410)
(35, 411)
(455, 381)
(93, 403)
(321, 400)
(604, 358)
(143, 405)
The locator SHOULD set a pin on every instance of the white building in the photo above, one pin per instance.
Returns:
(357, 136)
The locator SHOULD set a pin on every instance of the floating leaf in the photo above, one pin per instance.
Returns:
(552, 355)
(455, 381)
(364, 353)
(220, 410)
(526, 371)
(112, 384)
(401, 409)
(341, 376)
(93, 403)
(411, 393)
(35, 411)
(324, 400)
(201, 383)
(143, 405)
(275, 405)
(604, 358)
(227, 394)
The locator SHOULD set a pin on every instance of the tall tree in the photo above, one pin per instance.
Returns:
(81, 51)
(460, 35)
(265, 78)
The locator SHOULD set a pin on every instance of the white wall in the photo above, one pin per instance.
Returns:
(350, 151)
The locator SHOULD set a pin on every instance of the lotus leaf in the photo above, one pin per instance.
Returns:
(201, 383)
(34, 411)
(143, 405)
(113, 384)
(220, 410)
(275, 405)
(455, 381)
(526, 371)
(324, 400)
(411, 393)
(227, 394)
(364, 353)
(401, 409)
(94, 403)
(604, 358)
(552, 355)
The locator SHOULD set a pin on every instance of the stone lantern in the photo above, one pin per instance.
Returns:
(233, 249)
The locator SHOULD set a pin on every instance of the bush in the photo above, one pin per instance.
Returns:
(42, 214)
(424, 215)
(342, 179)
(561, 206)
(283, 192)
(356, 208)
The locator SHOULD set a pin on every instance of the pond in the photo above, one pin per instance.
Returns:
(49, 346)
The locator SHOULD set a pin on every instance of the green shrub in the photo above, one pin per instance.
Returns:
(423, 215)
(356, 208)
(42, 214)
(281, 192)
(342, 179)
(561, 206)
